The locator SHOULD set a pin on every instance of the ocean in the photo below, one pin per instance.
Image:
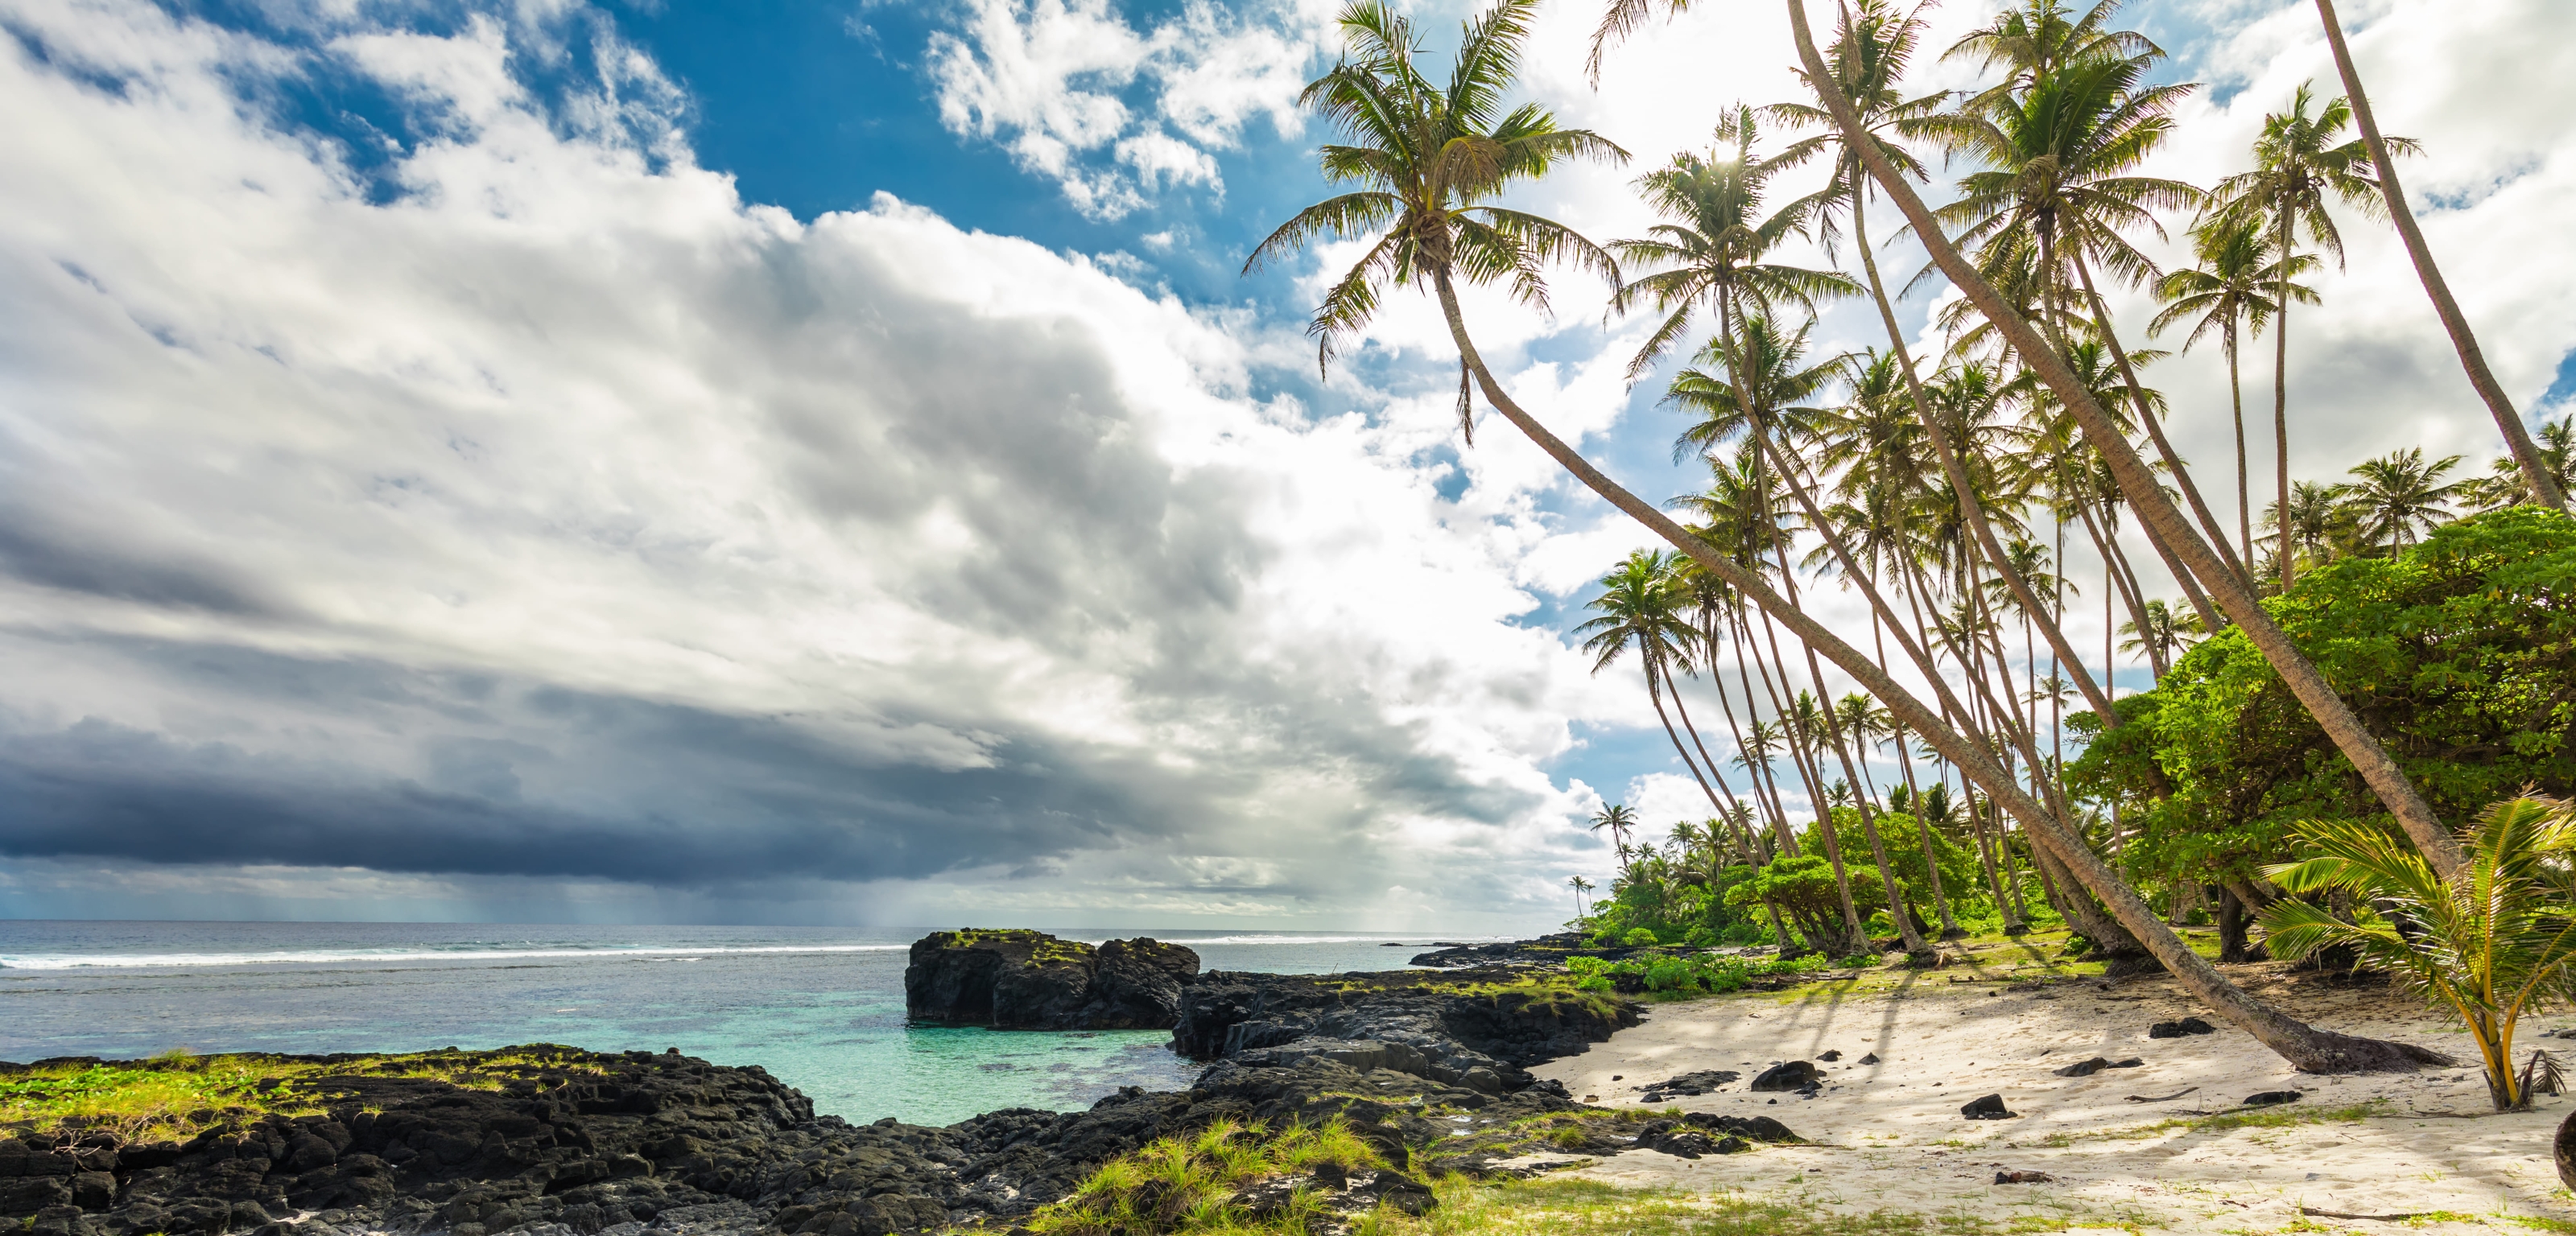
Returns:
(820, 1007)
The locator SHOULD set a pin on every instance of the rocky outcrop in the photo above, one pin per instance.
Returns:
(1543, 951)
(1027, 980)
(1467, 1027)
(550, 1141)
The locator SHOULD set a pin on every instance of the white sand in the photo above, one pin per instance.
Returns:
(1890, 1136)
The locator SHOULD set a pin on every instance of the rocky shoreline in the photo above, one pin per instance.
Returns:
(555, 1141)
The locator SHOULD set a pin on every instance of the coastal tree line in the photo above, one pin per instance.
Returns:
(2353, 681)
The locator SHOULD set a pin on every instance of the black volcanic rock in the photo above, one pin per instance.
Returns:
(1458, 1032)
(1018, 979)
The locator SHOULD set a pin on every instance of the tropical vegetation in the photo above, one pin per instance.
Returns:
(2362, 654)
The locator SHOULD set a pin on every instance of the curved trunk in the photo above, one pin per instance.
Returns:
(2303, 1045)
(2138, 483)
(1971, 507)
(2526, 453)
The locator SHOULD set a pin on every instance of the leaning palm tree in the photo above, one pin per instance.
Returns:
(1383, 74)
(2494, 941)
(2140, 485)
(1433, 159)
(2298, 166)
(2236, 282)
(2546, 489)
(2400, 495)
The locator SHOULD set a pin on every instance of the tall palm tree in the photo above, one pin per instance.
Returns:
(2140, 485)
(1618, 820)
(1580, 887)
(1642, 607)
(1873, 45)
(2236, 281)
(1710, 249)
(2298, 166)
(2398, 496)
(2547, 489)
(1433, 159)
(2060, 179)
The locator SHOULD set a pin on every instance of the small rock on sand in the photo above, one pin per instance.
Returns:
(1989, 1107)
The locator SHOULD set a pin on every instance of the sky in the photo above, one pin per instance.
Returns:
(776, 461)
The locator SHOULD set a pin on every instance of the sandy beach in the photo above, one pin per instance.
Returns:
(2132, 1148)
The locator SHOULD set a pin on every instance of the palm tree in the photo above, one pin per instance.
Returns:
(1434, 158)
(1711, 247)
(2298, 165)
(2059, 180)
(1619, 821)
(2491, 942)
(2040, 37)
(2138, 483)
(2234, 282)
(2160, 638)
(1872, 47)
(2400, 495)
(1580, 887)
(1642, 606)
(2506, 485)
(2549, 490)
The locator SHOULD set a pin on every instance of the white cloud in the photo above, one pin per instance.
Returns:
(693, 547)
(1058, 81)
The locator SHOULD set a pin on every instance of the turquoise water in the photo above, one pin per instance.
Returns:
(820, 1008)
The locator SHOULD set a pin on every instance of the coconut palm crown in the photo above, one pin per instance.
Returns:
(1432, 159)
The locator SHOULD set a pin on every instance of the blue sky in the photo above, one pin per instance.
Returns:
(819, 462)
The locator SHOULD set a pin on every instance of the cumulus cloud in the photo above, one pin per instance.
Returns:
(561, 517)
(1114, 114)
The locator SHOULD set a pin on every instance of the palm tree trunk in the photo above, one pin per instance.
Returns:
(2244, 498)
(1971, 507)
(1950, 929)
(1653, 677)
(2138, 484)
(2209, 524)
(1759, 764)
(2281, 401)
(2526, 454)
(2303, 1045)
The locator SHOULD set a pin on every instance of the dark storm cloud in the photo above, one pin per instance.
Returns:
(494, 776)
(615, 789)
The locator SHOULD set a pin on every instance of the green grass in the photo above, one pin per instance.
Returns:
(1044, 949)
(2281, 1117)
(177, 1095)
(1187, 1185)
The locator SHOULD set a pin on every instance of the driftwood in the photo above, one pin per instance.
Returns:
(2162, 1098)
(2312, 1212)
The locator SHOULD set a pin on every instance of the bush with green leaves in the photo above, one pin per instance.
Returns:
(2460, 653)
(1802, 889)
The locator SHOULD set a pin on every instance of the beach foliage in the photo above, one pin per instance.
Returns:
(2460, 651)
(1195, 1183)
(178, 1094)
(2495, 941)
